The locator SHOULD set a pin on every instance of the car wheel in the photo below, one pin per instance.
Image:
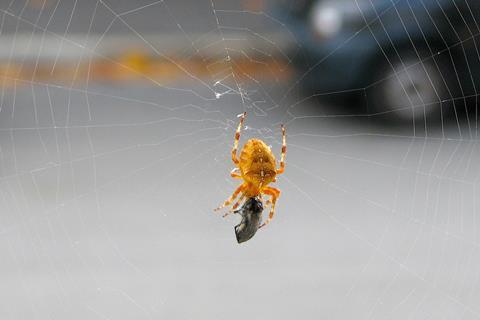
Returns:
(408, 90)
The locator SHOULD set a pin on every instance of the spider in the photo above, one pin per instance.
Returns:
(257, 168)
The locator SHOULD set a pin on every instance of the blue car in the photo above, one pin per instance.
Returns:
(412, 59)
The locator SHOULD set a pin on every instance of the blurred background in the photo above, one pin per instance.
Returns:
(116, 125)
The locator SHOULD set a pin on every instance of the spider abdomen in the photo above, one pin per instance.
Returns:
(257, 163)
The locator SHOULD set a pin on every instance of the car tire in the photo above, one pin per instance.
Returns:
(408, 90)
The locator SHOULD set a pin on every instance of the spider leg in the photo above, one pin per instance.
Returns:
(235, 206)
(284, 151)
(274, 193)
(237, 138)
(235, 173)
(233, 197)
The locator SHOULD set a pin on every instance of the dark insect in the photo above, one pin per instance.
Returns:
(251, 213)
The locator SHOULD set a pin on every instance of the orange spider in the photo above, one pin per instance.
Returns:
(257, 166)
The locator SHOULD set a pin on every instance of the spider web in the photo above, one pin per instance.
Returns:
(111, 165)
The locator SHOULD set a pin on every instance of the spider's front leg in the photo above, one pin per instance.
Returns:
(274, 193)
(233, 197)
(235, 205)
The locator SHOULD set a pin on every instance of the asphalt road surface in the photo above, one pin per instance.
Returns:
(107, 197)
(68, 30)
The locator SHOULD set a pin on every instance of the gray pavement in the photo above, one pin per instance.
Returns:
(69, 29)
(106, 198)
(145, 16)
